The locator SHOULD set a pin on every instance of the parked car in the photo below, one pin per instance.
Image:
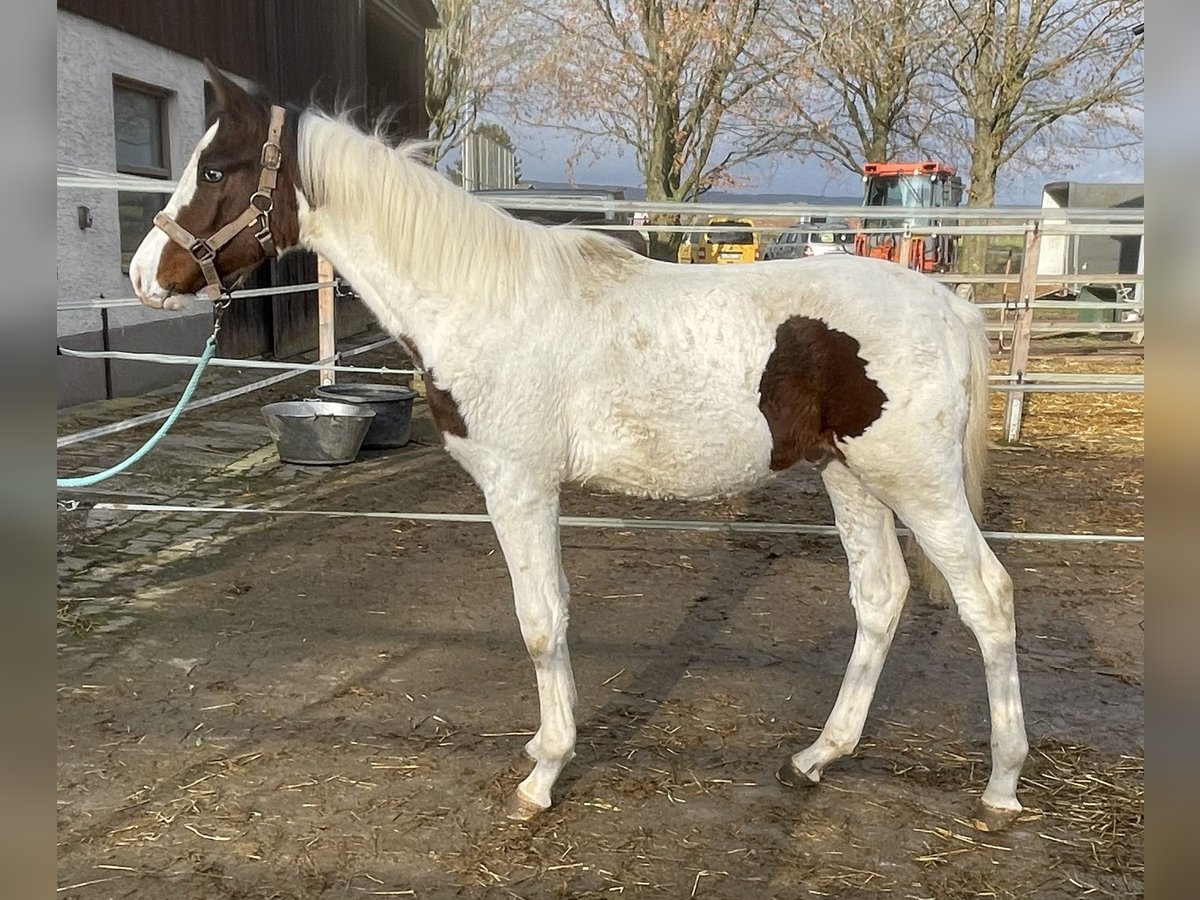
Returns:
(800, 244)
(729, 241)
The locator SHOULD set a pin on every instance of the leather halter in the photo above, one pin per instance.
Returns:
(204, 250)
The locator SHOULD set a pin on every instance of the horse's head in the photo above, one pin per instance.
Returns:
(235, 205)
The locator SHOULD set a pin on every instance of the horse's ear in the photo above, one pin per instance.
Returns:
(231, 97)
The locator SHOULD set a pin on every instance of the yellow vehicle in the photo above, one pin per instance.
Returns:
(727, 241)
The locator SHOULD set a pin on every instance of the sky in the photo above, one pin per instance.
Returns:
(544, 154)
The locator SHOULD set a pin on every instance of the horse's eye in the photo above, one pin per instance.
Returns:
(212, 176)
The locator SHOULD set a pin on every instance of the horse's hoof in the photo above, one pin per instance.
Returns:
(521, 809)
(789, 775)
(993, 818)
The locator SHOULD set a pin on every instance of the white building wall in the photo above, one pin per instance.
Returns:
(1052, 256)
(89, 55)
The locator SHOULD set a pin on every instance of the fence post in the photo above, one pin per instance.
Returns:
(1022, 331)
(326, 325)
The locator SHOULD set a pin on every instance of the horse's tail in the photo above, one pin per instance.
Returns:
(975, 439)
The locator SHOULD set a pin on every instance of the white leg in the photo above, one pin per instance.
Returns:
(525, 517)
(983, 591)
(878, 587)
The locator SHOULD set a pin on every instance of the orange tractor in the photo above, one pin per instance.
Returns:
(915, 241)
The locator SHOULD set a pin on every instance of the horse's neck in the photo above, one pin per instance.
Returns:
(395, 298)
(429, 260)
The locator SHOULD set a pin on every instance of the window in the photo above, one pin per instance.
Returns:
(831, 237)
(140, 127)
(730, 237)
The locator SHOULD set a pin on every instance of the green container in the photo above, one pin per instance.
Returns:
(1097, 293)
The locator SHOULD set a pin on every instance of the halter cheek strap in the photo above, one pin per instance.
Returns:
(204, 250)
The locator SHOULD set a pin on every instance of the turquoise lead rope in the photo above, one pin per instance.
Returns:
(210, 349)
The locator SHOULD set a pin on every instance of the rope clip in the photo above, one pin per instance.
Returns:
(219, 307)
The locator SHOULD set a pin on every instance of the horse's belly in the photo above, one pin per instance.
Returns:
(696, 455)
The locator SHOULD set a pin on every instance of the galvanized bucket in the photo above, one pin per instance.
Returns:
(392, 403)
(317, 432)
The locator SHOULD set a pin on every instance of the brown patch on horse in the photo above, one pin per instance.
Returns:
(236, 150)
(442, 407)
(815, 390)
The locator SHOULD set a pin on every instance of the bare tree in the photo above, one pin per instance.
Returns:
(463, 60)
(1037, 81)
(679, 83)
(864, 92)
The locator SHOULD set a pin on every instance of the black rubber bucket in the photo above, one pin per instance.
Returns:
(392, 404)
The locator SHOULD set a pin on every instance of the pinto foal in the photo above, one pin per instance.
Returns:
(632, 375)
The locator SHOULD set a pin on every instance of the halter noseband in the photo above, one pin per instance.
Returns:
(204, 250)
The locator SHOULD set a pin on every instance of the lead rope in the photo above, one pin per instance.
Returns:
(210, 348)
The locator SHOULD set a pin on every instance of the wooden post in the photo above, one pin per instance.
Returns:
(1022, 331)
(326, 325)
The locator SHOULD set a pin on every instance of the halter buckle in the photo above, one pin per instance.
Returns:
(202, 251)
(272, 156)
(264, 237)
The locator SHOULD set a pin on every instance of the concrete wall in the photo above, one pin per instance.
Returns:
(89, 261)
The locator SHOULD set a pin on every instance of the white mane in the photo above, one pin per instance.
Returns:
(442, 239)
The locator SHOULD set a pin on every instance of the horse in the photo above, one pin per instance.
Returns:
(556, 355)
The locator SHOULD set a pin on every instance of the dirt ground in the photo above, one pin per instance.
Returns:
(301, 707)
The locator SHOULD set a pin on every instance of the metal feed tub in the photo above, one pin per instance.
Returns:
(317, 432)
(392, 403)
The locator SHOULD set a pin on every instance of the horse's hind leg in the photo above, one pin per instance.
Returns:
(524, 514)
(878, 586)
(982, 589)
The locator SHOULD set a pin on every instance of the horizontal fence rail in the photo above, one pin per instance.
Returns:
(74, 177)
(622, 524)
(190, 302)
(172, 359)
(1062, 229)
(1097, 384)
(193, 303)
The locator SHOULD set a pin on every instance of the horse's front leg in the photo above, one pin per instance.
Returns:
(524, 513)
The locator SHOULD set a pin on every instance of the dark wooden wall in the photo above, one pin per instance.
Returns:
(229, 32)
